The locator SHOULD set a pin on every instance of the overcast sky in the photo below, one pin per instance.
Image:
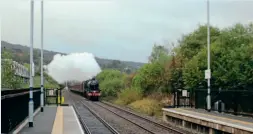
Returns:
(115, 29)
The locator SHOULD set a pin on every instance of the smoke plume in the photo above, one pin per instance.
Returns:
(73, 67)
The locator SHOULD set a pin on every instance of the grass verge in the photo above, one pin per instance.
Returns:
(147, 106)
(128, 96)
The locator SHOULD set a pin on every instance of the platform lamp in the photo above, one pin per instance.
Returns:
(31, 67)
(208, 71)
(41, 64)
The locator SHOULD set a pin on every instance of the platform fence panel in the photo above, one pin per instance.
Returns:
(237, 102)
(53, 96)
(14, 107)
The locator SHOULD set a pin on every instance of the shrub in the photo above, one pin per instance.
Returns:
(128, 80)
(147, 106)
(149, 77)
(110, 87)
(128, 95)
(109, 74)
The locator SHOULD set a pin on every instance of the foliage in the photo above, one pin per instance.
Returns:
(149, 77)
(147, 106)
(123, 66)
(48, 84)
(128, 96)
(192, 43)
(128, 80)
(231, 67)
(111, 81)
(159, 54)
(231, 60)
(110, 88)
(9, 80)
(109, 74)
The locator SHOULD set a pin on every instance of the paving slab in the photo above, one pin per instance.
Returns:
(43, 122)
(230, 116)
(71, 124)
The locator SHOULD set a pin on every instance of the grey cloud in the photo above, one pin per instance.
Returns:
(118, 22)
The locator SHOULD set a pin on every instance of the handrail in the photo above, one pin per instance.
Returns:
(17, 94)
(8, 91)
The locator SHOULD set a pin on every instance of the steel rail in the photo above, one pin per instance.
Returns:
(148, 120)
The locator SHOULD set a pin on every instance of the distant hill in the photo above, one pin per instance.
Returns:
(21, 54)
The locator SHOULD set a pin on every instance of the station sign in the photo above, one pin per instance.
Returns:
(51, 92)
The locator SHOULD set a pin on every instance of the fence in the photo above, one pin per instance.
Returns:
(15, 107)
(53, 96)
(238, 102)
(182, 98)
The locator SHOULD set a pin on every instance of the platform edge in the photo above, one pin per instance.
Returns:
(80, 127)
(211, 120)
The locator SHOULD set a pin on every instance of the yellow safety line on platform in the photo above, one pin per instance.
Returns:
(58, 122)
(218, 117)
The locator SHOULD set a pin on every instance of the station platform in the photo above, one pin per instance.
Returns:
(54, 120)
(201, 121)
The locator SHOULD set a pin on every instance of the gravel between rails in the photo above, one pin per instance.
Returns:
(121, 125)
(153, 119)
(89, 119)
(151, 126)
(124, 126)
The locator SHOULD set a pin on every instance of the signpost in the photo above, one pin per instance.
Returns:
(51, 92)
(184, 93)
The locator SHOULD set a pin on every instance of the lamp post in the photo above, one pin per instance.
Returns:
(208, 71)
(31, 68)
(41, 64)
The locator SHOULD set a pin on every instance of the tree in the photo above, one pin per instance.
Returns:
(110, 81)
(149, 77)
(192, 43)
(231, 60)
(9, 80)
(159, 54)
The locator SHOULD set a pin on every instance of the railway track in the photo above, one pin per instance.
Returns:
(91, 122)
(140, 121)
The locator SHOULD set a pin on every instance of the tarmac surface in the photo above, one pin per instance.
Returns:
(43, 122)
(225, 115)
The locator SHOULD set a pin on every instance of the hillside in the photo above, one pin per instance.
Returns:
(21, 54)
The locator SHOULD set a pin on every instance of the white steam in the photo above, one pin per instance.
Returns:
(73, 67)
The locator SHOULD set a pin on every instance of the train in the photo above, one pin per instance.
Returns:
(88, 89)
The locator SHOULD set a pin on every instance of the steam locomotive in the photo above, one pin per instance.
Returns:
(89, 89)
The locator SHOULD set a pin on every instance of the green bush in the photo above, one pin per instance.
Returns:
(149, 77)
(111, 87)
(110, 82)
(109, 74)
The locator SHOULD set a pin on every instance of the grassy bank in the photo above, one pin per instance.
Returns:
(146, 104)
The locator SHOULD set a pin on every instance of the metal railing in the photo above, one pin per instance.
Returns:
(237, 102)
(53, 96)
(15, 107)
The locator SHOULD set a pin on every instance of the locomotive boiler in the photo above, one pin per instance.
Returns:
(89, 89)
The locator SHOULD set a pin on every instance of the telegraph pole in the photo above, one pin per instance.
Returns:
(31, 69)
(208, 71)
(41, 63)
